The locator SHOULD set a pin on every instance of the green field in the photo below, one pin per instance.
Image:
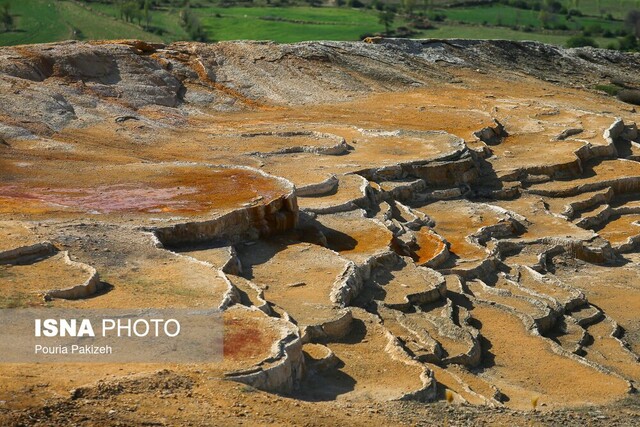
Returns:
(501, 15)
(41, 21)
(320, 23)
(50, 20)
(617, 8)
(249, 23)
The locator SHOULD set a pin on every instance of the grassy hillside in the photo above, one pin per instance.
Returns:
(41, 21)
(267, 23)
(50, 20)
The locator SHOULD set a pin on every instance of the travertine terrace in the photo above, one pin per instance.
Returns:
(379, 222)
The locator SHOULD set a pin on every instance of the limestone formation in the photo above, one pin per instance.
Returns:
(377, 221)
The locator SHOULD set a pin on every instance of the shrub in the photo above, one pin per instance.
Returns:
(621, 32)
(628, 42)
(377, 5)
(437, 17)
(422, 24)
(520, 4)
(594, 29)
(554, 6)
(404, 32)
(610, 89)
(581, 41)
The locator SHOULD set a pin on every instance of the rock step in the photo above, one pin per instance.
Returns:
(594, 217)
(296, 276)
(451, 340)
(570, 335)
(623, 176)
(387, 373)
(49, 277)
(353, 235)
(251, 295)
(608, 351)
(352, 192)
(430, 250)
(401, 190)
(522, 364)
(586, 315)
(573, 207)
(319, 358)
(550, 287)
(448, 380)
(272, 345)
(418, 342)
(622, 232)
(473, 378)
(27, 254)
(461, 344)
(402, 284)
(539, 313)
(222, 257)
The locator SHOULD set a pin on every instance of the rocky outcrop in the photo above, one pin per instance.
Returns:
(492, 135)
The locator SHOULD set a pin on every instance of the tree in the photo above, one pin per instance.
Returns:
(192, 25)
(146, 11)
(129, 10)
(6, 17)
(386, 18)
(553, 6)
(409, 6)
(633, 22)
(545, 18)
(581, 41)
